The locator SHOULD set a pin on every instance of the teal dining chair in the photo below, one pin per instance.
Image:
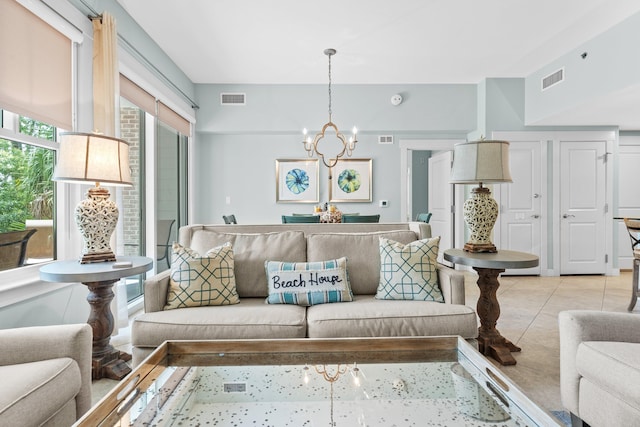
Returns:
(361, 218)
(291, 219)
(423, 217)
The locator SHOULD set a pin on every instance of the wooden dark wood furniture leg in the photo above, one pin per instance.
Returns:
(490, 341)
(108, 362)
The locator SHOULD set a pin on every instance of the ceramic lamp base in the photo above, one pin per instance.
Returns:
(482, 247)
(96, 217)
(480, 214)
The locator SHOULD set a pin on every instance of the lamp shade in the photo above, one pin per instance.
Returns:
(87, 157)
(485, 161)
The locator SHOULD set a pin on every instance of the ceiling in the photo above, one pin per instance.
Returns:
(383, 42)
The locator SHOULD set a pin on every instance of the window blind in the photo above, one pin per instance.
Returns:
(137, 96)
(169, 117)
(35, 67)
(143, 99)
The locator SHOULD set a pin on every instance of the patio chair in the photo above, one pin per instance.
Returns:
(13, 248)
(163, 248)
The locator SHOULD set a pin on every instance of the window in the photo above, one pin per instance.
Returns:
(158, 155)
(27, 159)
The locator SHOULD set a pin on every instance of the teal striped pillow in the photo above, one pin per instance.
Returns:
(308, 283)
(408, 272)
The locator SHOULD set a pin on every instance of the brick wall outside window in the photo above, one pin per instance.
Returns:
(131, 198)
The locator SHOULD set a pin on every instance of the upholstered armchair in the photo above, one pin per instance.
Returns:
(45, 375)
(600, 367)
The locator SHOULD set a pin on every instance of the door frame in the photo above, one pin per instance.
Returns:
(407, 146)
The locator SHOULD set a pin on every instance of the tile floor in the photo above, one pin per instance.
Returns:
(529, 318)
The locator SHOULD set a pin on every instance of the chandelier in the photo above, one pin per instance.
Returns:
(311, 146)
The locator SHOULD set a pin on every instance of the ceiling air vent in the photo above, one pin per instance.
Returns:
(233, 98)
(385, 139)
(553, 79)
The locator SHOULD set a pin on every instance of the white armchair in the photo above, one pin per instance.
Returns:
(45, 375)
(600, 367)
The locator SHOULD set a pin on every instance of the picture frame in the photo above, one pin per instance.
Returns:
(297, 181)
(351, 181)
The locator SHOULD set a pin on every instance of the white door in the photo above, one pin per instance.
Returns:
(441, 200)
(520, 216)
(582, 207)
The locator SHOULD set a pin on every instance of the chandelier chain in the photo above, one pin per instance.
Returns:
(329, 87)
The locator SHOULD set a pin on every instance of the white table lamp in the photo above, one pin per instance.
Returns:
(480, 162)
(86, 157)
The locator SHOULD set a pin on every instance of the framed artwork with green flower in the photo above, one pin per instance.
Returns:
(351, 181)
(297, 181)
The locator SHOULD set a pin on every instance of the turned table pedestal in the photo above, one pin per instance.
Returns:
(99, 278)
(489, 266)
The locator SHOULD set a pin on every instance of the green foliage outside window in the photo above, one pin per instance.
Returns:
(26, 189)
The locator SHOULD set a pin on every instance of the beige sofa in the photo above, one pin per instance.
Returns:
(45, 375)
(252, 318)
(600, 367)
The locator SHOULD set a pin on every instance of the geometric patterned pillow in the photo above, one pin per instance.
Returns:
(197, 281)
(308, 283)
(408, 272)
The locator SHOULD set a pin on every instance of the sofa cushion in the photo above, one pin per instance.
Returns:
(250, 251)
(608, 365)
(251, 318)
(408, 272)
(201, 280)
(31, 392)
(362, 251)
(308, 283)
(370, 317)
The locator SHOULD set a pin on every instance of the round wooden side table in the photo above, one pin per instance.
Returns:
(489, 266)
(99, 277)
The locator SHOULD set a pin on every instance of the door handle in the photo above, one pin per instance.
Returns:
(535, 216)
(568, 216)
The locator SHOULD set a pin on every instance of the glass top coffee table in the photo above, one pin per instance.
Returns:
(412, 381)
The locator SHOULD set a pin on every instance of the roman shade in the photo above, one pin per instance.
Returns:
(169, 117)
(137, 96)
(35, 71)
(147, 102)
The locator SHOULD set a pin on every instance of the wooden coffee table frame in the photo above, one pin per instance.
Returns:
(297, 352)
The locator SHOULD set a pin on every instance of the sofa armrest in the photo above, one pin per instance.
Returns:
(451, 284)
(155, 292)
(577, 326)
(36, 343)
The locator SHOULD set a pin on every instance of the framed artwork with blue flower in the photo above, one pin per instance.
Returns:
(297, 181)
(351, 181)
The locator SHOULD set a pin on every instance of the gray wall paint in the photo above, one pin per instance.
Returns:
(135, 36)
(289, 108)
(236, 146)
(242, 167)
(612, 65)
